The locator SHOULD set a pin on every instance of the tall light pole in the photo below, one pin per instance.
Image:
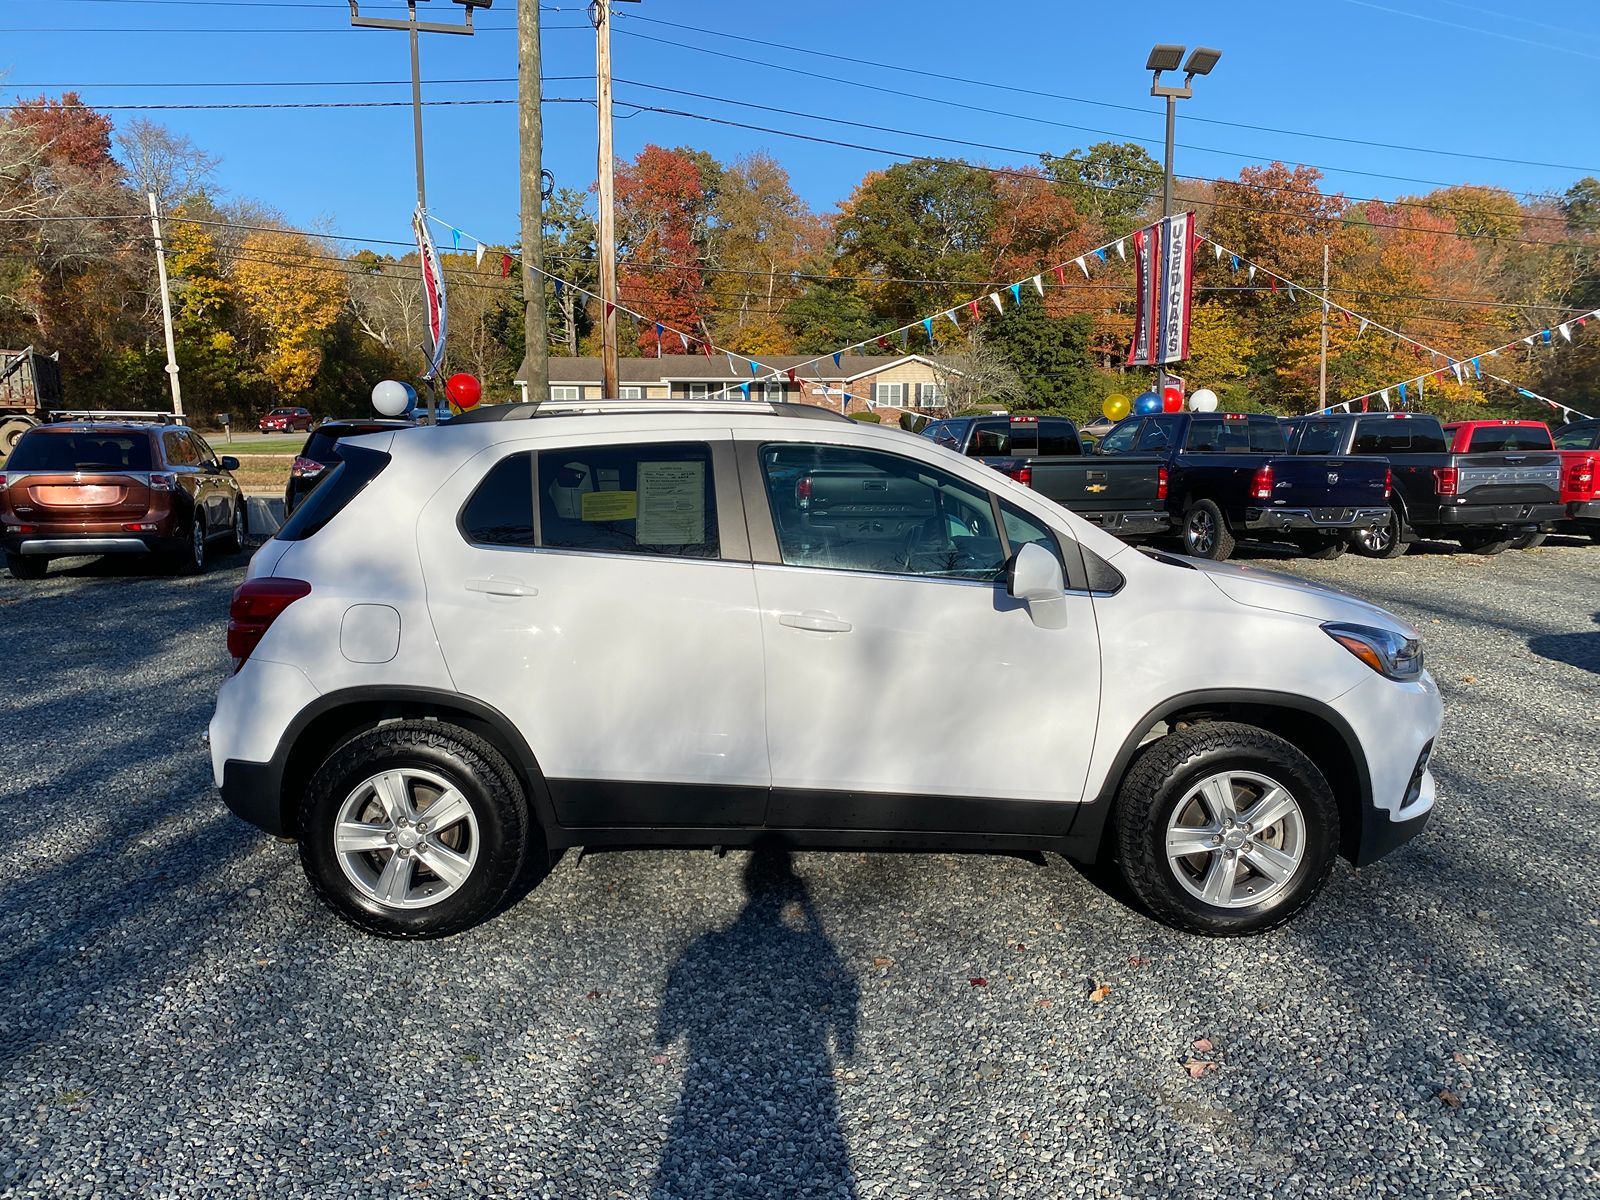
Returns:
(1165, 58)
(600, 17)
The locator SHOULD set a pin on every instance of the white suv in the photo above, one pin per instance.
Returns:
(703, 624)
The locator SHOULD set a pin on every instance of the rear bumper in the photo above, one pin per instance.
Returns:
(1130, 523)
(1315, 518)
(1584, 510)
(254, 792)
(1500, 514)
(31, 545)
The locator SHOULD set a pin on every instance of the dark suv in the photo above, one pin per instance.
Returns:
(286, 420)
(116, 488)
(321, 454)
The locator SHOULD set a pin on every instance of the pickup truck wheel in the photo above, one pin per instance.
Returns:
(1206, 533)
(1386, 541)
(1485, 543)
(1322, 548)
(1529, 541)
(26, 567)
(415, 829)
(1225, 829)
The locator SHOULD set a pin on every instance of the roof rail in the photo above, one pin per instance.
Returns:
(578, 408)
(114, 414)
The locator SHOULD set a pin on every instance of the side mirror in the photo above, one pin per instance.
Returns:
(1034, 576)
(230, 463)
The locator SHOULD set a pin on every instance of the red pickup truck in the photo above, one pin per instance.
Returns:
(1579, 447)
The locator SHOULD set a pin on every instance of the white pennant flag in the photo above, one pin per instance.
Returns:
(1386, 399)
(1082, 266)
(1038, 284)
(1566, 331)
(954, 320)
(1252, 272)
(1122, 250)
(1527, 341)
(998, 307)
(684, 339)
(1363, 329)
(1456, 367)
(480, 254)
(1217, 246)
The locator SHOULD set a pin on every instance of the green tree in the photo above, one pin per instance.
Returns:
(1116, 184)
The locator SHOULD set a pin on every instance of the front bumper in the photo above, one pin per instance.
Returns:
(1336, 519)
(1130, 523)
(1397, 727)
(1500, 514)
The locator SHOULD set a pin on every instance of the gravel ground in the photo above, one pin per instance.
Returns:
(179, 1018)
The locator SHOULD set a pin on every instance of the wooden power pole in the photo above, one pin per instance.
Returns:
(166, 307)
(600, 13)
(1322, 381)
(530, 127)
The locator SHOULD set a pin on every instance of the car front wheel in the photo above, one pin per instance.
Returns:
(1225, 829)
(1206, 533)
(27, 567)
(414, 829)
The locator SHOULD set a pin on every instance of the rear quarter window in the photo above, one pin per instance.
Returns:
(358, 467)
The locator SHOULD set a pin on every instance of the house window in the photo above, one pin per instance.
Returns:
(632, 392)
(929, 395)
(888, 395)
(699, 391)
(772, 391)
(563, 391)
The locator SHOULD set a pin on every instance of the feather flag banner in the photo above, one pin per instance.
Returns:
(433, 294)
(1164, 267)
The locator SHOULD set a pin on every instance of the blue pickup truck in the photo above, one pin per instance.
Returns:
(1230, 475)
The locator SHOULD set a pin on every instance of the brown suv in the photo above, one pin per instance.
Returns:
(116, 488)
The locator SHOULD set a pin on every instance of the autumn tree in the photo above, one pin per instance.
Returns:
(665, 201)
(292, 301)
(762, 235)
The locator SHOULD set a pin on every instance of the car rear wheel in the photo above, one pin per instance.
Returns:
(241, 523)
(1386, 541)
(1495, 542)
(414, 829)
(1225, 829)
(1206, 533)
(1529, 541)
(1322, 547)
(190, 557)
(26, 567)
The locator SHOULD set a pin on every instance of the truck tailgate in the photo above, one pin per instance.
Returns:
(1516, 477)
(1334, 484)
(1100, 483)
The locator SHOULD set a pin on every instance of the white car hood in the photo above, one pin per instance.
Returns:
(1256, 588)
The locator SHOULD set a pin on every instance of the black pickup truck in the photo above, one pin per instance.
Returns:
(1482, 500)
(1231, 475)
(1127, 498)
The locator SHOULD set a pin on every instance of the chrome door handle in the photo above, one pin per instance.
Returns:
(817, 622)
(494, 586)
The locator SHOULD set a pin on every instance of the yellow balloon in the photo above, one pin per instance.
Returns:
(1116, 406)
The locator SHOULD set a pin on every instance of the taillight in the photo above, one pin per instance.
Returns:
(1022, 474)
(1446, 480)
(257, 603)
(802, 491)
(1261, 485)
(1580, 478)
(162, 481)
(305, 468)
(1161, 483)
(1388, 482)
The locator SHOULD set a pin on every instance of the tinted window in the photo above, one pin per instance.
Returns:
(1320, 437)
(1158, 433)
(1120, 439)
(180, 450)
(500, 512)
(844, 509)
(203, 450)
(343, 484)
(1042, 437)
(92, 451)
(1022, 529)
(320, 445)
(655, 499)
(948, 433)
(1577, 439)
(1510, 437)
(991, 438)
(1220, 435)
(1391, 435)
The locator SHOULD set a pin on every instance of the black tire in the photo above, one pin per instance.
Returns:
(241, 524)
(1161, 778)
(1385, 542)
(27, 567)
(1529, 541)
(469, 764)
(1322, 548)
(189, 555)
(1205, 532)
(1485, 543)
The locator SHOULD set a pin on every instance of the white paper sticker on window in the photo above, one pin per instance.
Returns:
(672, 504)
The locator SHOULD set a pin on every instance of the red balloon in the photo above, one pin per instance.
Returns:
(1172, 400)
(464, 390)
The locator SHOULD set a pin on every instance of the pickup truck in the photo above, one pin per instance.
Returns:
(1483, 500)
(1231, 474)
(1578, 443)
(1127, 498)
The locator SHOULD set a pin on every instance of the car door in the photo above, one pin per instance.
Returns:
(599, 594)
(184, 463)
(218, 486)
(905, 690)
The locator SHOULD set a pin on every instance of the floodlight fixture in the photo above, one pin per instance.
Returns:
(1164, 58)
(1201, 60)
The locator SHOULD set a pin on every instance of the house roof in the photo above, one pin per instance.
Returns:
(698, 368)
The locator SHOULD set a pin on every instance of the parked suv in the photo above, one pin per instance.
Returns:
(708, 623)
(116, 488)
(321, 453)
(286, 420)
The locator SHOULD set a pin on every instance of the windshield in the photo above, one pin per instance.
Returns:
(43, 450)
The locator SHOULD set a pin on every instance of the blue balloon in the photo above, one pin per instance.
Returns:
(1147, 403)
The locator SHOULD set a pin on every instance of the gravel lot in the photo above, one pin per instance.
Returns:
(179, 1018)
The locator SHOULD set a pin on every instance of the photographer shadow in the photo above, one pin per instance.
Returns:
(758, 1004)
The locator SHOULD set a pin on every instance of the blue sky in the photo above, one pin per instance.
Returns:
(1488, 77)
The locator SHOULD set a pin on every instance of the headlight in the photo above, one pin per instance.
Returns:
(1385, 651)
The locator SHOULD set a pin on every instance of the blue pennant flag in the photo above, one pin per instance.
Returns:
(1403, 396)
(745, 388)
(1477, 368)
(1016, 293)
(927, 323)
(1235, 258)
(560, 287)
(1546, 336)
(838, 360)
(1101, 254)
(455, 237)
(753, 368)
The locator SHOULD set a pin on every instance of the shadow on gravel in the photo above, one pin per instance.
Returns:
(757, 1003)
(1574, 649)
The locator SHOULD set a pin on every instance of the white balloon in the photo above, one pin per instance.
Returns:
(1204, 400)
(392, 398)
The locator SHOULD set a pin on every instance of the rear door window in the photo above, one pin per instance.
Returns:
(1058, 437)
(657, 499)
(1158, 434)
(179, 449)
(1120, 439)
(1509, 437)
(1578, 439)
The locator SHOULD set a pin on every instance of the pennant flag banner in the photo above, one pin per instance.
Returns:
(838, 360)
(1016, 293)
(438, 318)
(505, 267)
(954, 320)
(998, 307)
(972, 307)
(1038, 284)
(1164, 266)
(1122, 252)
(927, 324)
(1082, 266)
(1060, 274)
(481, 249)
(1403, 396)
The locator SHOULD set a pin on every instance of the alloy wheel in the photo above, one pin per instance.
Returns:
(1376, 541)
(197, 542)
(406, 838)
(1235, 839)
(1202, 532)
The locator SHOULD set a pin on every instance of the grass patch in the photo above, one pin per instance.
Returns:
(262, 472)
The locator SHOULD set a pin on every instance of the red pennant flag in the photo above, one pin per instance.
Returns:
(977, 314)
(610, 308)
(791, 374)
(883, 343)
(1363, 404)
(505, 265)
(1274, 283)
(1061, 275)
(706, 346)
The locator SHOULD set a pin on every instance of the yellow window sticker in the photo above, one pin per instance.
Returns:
(610, 506)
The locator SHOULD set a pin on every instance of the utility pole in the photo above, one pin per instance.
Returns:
(530, 127)
(1322, 379)
(166, 307)
(600, 15)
